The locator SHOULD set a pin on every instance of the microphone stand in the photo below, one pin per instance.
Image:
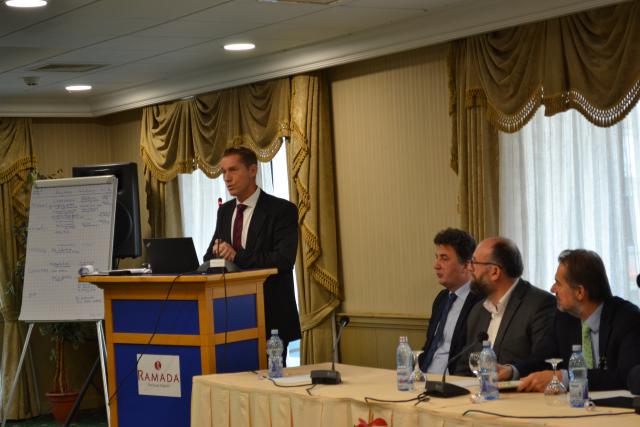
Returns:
(330, 376)
(444, 389)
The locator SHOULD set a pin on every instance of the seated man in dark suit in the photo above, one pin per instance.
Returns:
(515, 314)
(257, 230)
(447, 330)
(607, 327)
(633, 380)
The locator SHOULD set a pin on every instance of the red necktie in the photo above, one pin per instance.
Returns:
(237, 227)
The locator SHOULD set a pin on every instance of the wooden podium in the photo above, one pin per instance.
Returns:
(203, 324)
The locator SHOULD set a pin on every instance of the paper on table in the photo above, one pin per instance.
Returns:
(466, 382)
(293, 380)
(608, 394)
(502, 385)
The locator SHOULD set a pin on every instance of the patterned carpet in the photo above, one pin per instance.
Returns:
(93, 418)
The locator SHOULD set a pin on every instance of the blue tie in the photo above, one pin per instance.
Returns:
(438, 336)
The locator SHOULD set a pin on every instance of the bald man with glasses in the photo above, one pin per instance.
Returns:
(515, 314)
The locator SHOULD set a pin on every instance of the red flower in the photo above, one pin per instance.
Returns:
(376, 422)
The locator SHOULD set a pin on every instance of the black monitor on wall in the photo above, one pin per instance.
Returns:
(127, 242)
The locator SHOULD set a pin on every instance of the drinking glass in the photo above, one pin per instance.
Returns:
(555, 392)
(474, 365)
(417, 373)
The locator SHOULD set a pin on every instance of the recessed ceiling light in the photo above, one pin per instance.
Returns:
(78, 88)
(25, 3)
(239, 46)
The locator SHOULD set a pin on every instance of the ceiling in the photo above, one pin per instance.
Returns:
(150, 51)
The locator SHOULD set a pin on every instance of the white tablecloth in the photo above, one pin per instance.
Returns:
(246, 399)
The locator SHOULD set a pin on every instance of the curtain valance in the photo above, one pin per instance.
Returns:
(177, 137)
(587, 61)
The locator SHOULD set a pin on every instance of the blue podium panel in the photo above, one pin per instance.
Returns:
(237, 356)
(141, 316)
(241, 313)
(136, 410)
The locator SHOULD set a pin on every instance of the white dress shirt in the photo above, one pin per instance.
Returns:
(497, 311)
(246, 217)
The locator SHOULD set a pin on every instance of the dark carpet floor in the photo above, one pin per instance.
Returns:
(93, 418)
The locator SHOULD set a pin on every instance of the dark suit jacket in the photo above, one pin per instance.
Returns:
(618, 343)
(526, 320)
(633, 380)
(272, 241)
(459, 332)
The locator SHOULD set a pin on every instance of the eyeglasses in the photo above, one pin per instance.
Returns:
(474, 262)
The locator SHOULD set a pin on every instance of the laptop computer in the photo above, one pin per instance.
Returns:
(172, 255)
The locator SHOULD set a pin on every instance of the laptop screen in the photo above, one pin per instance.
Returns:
(174, 255)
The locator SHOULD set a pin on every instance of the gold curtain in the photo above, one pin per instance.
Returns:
(310, 156)
(177, 137)
(475, 157)
(588, 61)
(16, 162)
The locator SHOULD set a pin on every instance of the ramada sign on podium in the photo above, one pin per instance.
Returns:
(158, 375)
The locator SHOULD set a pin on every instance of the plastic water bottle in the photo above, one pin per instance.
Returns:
(404, 365)
(274, 351)
(488, 373)
(578, 383)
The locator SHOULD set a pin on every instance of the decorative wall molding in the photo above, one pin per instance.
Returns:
(371, 338)
(386, 321)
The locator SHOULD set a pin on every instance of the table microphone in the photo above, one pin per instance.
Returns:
(330, 376)
(444, 389)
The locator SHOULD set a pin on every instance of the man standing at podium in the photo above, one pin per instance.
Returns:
(257, 230)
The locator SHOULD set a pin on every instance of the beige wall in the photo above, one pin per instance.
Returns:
(64, 143)
(395, 190)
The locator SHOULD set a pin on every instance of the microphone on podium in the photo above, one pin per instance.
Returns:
(444, 389)
(330, 376)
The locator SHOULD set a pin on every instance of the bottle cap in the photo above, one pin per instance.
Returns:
(274, 332)
(403, 339)
(576, 347)
(486, 343)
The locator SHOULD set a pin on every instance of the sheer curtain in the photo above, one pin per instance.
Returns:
(565, 183)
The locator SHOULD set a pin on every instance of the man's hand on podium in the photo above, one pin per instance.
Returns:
(222, 249)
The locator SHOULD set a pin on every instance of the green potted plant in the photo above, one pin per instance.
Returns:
(61, 395)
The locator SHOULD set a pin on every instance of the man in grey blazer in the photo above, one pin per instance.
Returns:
(515, 314)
